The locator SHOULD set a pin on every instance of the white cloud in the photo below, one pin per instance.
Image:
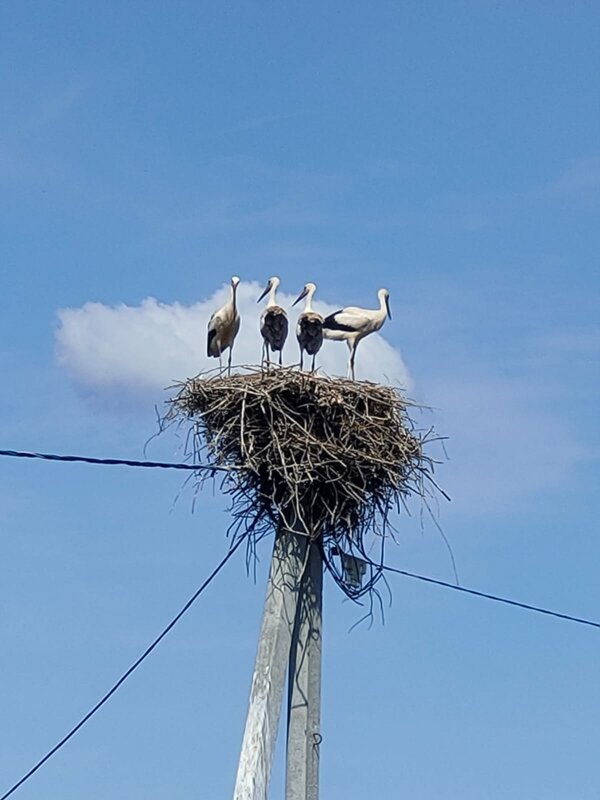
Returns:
(582, 176)
(507, 442)
(145, 348)
(579, 342)
(261, 122)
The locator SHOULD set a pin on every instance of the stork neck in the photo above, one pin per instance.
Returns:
(308, 301)
(382, 306)
(272, 301)
(233, 296)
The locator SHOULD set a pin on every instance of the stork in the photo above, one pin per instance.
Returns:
(352, 324)
(309, 328)
(273, 322)
(223, 327)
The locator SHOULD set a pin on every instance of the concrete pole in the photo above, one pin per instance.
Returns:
(256, 757)
(304, 687)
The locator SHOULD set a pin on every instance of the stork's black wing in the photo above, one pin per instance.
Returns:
(212, 332)
(331, 323)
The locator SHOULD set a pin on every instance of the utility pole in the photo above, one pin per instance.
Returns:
(304, 453)
(304, 686)
(290, 643)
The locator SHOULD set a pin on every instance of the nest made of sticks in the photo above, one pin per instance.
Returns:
(332, 457)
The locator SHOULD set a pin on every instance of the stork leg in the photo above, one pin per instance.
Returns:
(352, 374)
(313, 362)
(301, 359)
(220, 361)
(229, 360)
(281, 358)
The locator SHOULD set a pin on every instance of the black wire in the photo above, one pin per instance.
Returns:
(195, 467)
(131, 669)
(494, 597)
(112, 462)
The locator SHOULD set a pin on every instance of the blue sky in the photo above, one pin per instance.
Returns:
(448, 151)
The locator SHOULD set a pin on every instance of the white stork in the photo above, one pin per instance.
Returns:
(352, 324)
(223, 327)
(273, 322)
(309, 328)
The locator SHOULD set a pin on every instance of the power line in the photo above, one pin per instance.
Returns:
(131, 669)
(213, 574)
(125, 462)
(196, 467)
(494, 597)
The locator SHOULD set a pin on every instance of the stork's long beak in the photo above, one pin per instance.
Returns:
(302, 294)
(387, 305)
(267, 287)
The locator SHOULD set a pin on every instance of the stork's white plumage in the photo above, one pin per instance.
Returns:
(223, 327)
(273, 322)
(309, 328)
(352, 324)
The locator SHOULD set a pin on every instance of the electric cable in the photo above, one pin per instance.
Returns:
(131, 669)
(126, 462)
(496, 598)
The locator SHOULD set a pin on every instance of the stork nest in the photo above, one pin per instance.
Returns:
(331, 457)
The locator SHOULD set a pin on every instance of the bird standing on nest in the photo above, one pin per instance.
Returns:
(273, 322)
(223, 327)
(352, 324)
(309, 328)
